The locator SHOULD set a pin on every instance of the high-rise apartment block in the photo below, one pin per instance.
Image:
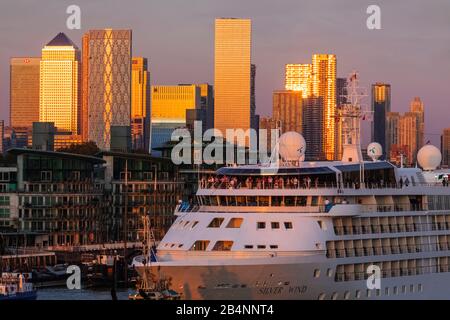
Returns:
(324, 86)
(298, 77)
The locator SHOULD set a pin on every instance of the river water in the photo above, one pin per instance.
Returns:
(62, 293)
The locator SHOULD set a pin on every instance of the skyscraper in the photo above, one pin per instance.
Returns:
(232, 74)
(408, 127)
(287, 110)
(140, 104)
(298, 77)
(84, 112)
(445, 147)
(324, 86)
(392, 136)
(169, 107)
(24, 92)
(417, 107)
(254, 119)
(312, 125)
(341, 100)
(381, 105)
(109, 82)
(59, 91)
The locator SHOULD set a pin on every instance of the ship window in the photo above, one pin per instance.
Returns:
(275, 225)
(419, 287)
(273, 246)
(260, 225)
(200, 245)
(330, 272)
(347, 295)
(215, 223)
(235, 223)
(395, 290)
(180, 245)
(386, 291)
(403, 289)
(248, 246)
(288, 225)
(194, 224)
(289, 201)
(263, 201)
(321, 296)
(368, 293)
(358, 294)
(223, 246)
(334, 296)
(261, 246)
(316, 273)
(411, 288)
(322, 225)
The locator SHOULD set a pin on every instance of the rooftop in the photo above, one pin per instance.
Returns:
(61, 40)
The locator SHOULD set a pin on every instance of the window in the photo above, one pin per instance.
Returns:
(419, 287)
(316, 273)
(273, 246)
(248, 246)
(386, 291)
(368, 293)
(395, 290)
(200, 245)
(46, 176)
(403, 289)
(334, 296)
(288, 225)
(275, 225)
(411, 288)
(194, 224)
(321, 296)
(223, 246)
(260, 225)
(347, 295)
(216, 223)
(148, 175)
(358, 294)
(261, 246)
(322, 225)
(235, 223)
(330, 272)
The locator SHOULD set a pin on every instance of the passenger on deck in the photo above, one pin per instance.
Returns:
(328, 205)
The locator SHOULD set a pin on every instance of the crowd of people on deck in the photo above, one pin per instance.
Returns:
(266, 182)
(300, 182)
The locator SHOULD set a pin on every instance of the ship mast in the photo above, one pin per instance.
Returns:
(349, 115)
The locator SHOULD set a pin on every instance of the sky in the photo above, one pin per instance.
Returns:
(411, 51)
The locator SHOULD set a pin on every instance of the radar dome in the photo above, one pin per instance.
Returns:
(292, 146)
(374, 150)
(429, 157)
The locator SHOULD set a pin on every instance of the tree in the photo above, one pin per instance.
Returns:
(85, 148)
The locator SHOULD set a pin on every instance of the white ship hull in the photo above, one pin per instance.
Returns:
(293, 282)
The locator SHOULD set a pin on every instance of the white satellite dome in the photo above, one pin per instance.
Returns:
(429, 157)
(374, 150)
(292, 146)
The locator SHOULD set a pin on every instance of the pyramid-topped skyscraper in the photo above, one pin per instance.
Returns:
(59, 95)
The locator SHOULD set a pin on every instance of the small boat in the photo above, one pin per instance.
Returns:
(14, 286)
(148, 285)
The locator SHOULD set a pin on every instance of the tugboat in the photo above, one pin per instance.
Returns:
(14, 286)
(149, 287)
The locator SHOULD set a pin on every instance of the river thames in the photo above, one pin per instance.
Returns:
(62, 293)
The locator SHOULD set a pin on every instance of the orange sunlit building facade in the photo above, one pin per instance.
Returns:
(232, 74)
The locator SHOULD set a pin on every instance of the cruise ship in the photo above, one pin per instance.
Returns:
(311, 231)
(292, 229)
